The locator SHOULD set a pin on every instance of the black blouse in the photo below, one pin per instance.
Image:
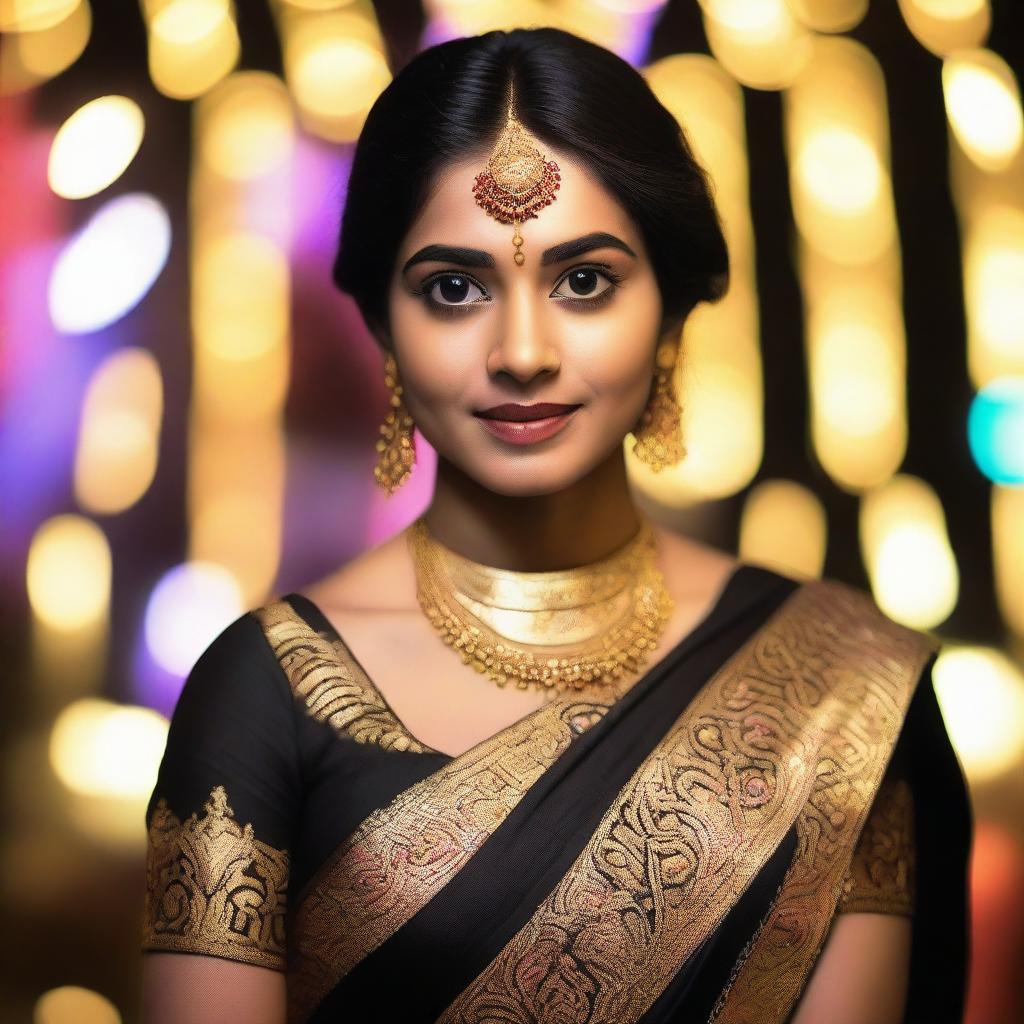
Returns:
(298, 825)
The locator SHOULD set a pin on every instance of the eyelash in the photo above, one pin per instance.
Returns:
(457, 309)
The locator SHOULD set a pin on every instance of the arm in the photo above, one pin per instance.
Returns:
(221, 827)
(861, 975)
(209, 990)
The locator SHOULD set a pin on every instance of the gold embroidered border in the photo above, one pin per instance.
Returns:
(807, 708)
(403, 854)
(323, 674)
(213, 888)
(770, 976)
(880, 879)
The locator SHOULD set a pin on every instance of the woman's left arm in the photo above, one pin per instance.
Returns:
(861, 975)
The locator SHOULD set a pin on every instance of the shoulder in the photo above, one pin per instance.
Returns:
(236, 676)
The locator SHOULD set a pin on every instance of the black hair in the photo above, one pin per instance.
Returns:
(450, 100)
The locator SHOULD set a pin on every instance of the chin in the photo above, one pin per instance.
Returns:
(528, 478)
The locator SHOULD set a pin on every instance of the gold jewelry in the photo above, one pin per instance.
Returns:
(659, 437)
(518, 180)
(397, 443)
(561, 630)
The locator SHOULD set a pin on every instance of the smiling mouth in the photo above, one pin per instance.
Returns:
(512, 412)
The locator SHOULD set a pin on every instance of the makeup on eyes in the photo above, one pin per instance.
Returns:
(581, 301)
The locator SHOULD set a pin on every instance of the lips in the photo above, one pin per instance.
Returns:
(515, 413)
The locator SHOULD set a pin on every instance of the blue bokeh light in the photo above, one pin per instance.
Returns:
(995, 430)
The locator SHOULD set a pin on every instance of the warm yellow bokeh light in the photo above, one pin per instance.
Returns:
(241, 296)
(906, 549)
(836, 134)
(246, 126)
(994, 293)
(29, 58)
(69, 572)
(757, 41)
(840, 170)
(71, 1004)
(783, 527)
(98, 748)
(119, 433)
(252, 555)
(339, 78)
(34, 15)
(981, 694)
(94, 145)
(1008, 553)
(188, 22)
(856, 367)
(193, 44)
(950, 9)
(856, 379)
(318, 5)
(947, 25)
(829, 15)
(983, 106)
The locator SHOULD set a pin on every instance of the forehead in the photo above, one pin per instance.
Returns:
(581, 205)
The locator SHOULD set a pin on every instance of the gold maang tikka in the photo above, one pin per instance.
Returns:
(518, 180)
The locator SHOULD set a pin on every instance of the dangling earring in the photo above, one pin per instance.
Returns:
(659, 436)
(397, 444)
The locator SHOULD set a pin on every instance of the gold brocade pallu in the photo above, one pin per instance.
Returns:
(677, 854)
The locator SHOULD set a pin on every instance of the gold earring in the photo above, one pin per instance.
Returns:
(659, 436)
(397, 443)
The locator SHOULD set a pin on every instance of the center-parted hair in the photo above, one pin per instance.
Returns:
(451, 100)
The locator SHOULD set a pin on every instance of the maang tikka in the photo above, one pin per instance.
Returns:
(518, 180)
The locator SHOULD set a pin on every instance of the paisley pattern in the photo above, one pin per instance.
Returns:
(880, 879)
(796, 726)
(406, 852)
(213, 888)
(327, 679)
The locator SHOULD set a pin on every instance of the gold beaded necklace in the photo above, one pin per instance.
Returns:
(562, 630)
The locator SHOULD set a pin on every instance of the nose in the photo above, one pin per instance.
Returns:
(524, 349)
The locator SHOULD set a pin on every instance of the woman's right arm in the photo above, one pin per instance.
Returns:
(221, 824)
(179, 988)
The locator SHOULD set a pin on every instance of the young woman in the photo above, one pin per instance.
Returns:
(537, 758)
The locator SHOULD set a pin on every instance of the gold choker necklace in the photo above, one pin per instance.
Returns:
(559, 630)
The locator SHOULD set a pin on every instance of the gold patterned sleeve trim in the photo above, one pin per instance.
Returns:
(213, 888)
(328, 681)
(880, 879)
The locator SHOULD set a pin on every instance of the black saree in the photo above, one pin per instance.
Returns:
(676, 854)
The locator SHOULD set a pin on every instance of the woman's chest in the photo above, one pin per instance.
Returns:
(441, 701)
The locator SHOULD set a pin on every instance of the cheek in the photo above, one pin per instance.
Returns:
(615, 351)
(437, 357)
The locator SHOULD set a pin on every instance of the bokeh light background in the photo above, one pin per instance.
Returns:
(189, 408)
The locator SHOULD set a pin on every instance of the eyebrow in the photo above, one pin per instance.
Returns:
(466, 257)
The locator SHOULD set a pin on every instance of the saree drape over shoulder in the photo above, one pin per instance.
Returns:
(676, 854)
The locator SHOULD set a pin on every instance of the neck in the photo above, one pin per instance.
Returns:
(539, 533)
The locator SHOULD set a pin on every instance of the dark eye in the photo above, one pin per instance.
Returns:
(584, 283)
(453, 290)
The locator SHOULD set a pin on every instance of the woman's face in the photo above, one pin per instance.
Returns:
(576, 325)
